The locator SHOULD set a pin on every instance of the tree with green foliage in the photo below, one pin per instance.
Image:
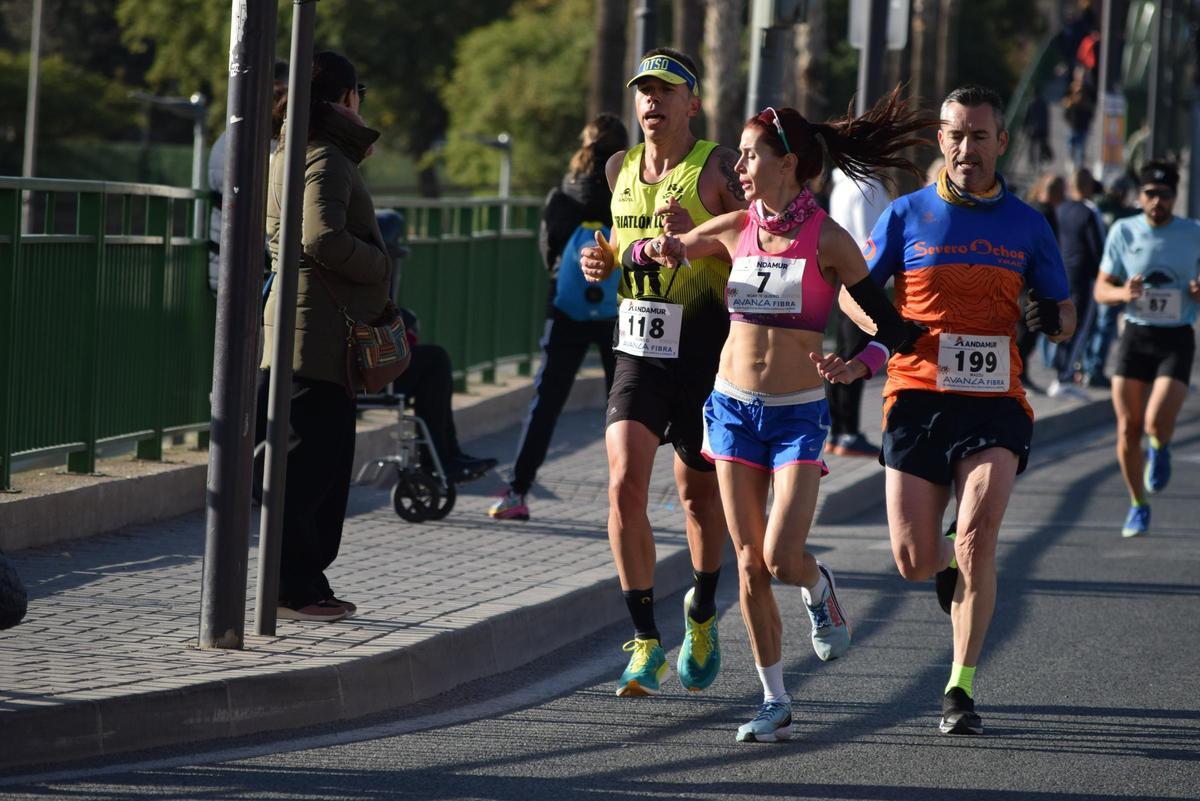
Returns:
(402, 50)
(524, 75)
(73, 103)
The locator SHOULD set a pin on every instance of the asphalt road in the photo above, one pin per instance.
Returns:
(1088, 688)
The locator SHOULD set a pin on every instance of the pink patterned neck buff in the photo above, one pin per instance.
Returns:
(803, 206)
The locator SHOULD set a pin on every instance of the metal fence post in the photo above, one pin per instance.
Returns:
(10, 242)
(89, 222)
(158, 222)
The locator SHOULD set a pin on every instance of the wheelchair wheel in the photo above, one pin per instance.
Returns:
(446, 502)
(415, 497)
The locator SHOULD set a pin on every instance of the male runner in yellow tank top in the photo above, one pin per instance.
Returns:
(670, 329)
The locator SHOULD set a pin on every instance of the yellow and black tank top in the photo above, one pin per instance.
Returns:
(700, 290)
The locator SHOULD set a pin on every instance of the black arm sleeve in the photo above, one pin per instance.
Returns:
(892, 331)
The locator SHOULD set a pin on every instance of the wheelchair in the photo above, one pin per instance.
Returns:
(423, 491)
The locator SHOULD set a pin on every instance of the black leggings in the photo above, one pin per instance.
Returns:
(564, 344)
(845, 400)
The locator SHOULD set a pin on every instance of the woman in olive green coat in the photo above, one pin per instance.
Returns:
(343, 264)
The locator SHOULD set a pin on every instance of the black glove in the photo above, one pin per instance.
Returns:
(912, 332)
(1041, 314)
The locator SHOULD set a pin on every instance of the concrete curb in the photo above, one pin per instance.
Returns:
(353, 688)
(359, 686)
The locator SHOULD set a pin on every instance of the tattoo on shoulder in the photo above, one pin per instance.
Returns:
(728, 159)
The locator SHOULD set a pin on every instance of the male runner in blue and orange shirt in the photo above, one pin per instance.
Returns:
(955, 413)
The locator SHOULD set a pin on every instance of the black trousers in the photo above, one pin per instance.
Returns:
(1070, 351)
(319, 469)
(428, 381)
(564, 344)
(845, 400)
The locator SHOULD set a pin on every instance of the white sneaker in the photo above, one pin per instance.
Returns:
(1057, 389)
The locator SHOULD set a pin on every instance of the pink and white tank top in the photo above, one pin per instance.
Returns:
(785, 289)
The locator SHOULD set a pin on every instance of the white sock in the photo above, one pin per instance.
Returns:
(816, 593)
(772, 682)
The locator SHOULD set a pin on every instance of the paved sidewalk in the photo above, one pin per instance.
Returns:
(106, 659)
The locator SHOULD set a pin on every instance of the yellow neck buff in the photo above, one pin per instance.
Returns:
(954, 194)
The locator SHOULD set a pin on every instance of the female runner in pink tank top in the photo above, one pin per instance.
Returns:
(767, 419)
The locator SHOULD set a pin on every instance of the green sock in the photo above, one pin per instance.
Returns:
(1136, 502)
(950, 535)
(1154, 443)
(963, 677)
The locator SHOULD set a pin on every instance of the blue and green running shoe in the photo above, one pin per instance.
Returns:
(1158, 468)
(1137, 522)
(772, 723)
(830, 629)
(700, 655)
(646, 668)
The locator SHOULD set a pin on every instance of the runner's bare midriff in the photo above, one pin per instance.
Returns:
(772, 360)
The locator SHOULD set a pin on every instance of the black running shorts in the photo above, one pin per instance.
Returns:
(667, 399)
(1149, 351)
(927, 432)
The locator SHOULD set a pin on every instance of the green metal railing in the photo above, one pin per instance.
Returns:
(107, 321)
(475, 280)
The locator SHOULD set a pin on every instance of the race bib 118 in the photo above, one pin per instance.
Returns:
(649, 328)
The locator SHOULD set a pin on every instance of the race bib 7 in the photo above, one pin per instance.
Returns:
(765, 285)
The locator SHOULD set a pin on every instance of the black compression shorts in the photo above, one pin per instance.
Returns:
(1148, 351)
(667, 399)
(927, 432)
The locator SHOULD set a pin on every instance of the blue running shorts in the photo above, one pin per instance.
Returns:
(766, 432)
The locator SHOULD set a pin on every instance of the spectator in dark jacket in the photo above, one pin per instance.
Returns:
(1082, 245)
(582, 197)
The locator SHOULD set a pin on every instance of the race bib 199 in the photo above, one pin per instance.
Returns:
(765, 285)
(1160, 305)
(973, 363)
(649, 328)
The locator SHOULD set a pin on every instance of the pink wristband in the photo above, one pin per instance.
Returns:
(639, 248)
(873, 357)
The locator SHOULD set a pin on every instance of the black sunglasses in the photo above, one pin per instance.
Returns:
(1163, 194)
(362, 92)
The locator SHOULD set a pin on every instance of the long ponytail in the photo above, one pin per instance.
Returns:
(861, 147)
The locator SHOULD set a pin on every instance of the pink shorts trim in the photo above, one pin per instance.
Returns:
(712, 457)
(819, 462)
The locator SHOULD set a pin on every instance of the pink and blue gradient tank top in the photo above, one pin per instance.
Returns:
(785, 290)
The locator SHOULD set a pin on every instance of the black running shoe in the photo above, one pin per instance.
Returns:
(946, 580)
(958, 714)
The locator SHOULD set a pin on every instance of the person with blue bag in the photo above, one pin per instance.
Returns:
(578, 314)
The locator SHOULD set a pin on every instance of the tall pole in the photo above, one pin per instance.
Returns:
(870, 58)
(1158, 114)
(1112, 100)
(230, 474)
(29, 154)
(279, 399)
(644, 35)
(767, 47)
